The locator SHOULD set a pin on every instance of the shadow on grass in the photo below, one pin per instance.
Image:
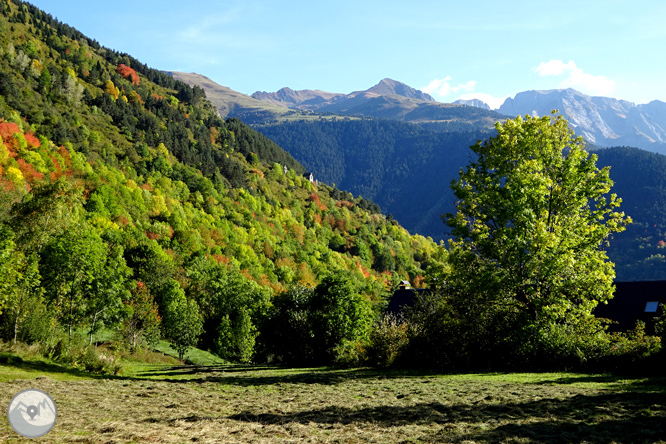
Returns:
(242, 375)
(617, 417)
(625, 383)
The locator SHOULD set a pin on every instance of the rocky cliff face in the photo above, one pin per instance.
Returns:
(602, 121)
(476, 103)
(306, 99)
(388, 87)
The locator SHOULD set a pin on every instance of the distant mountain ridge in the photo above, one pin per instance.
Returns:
(311, 100)
(306, 99)
(602, 121)
(477, 103)
(388, 99)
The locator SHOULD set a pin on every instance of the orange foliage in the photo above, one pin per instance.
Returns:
(286, 262)
(264, 281)
(419, 281)
(221, 259)
(299, 233)
(152, 236)
(29, 172)
(247, 274)
(305, 276)
(268, 250)
(214, 134)
(314, 197)
(128, 73)
(344, 203)
(330, 220)
(32, 140)
(365, 272)
(7, 130)
(217, 236)
(146, 186)
(157, 97)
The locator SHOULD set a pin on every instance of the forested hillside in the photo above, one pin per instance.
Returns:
(640, 180)
(127, 203)
(403, 167)
(407, 170)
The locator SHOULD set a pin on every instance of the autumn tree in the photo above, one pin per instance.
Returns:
(142, 320)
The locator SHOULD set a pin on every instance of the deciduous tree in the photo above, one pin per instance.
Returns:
(533, 214)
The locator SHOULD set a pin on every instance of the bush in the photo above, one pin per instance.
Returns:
(79, 354)
(388, 340)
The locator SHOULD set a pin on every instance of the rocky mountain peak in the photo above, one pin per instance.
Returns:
(387, 87)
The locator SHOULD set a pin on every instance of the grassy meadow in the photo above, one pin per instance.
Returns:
(174, 403)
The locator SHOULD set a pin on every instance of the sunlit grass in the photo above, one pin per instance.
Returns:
(237, 403)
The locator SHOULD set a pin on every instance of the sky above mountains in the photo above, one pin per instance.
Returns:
(451, 50)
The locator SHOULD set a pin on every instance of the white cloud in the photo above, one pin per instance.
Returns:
(442, 87)
(439, 87)
(576, 77)
(493, 102)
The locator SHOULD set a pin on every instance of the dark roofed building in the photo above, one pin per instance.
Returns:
(403, 297)
(634, 301)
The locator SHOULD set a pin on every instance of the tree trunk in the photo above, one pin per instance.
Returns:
(92, 328)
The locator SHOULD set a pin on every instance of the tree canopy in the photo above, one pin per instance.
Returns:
(533, 213)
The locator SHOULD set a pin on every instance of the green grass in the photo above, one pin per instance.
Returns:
(235, 403)
(193, 355)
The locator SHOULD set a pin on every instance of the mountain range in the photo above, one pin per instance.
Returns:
(389, 99)
(601, 121)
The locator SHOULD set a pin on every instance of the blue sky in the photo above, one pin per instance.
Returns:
(451, 49)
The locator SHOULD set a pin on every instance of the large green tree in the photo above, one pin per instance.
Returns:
(533, 214)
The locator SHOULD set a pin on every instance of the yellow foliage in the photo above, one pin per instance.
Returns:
(111, 89)
(4, 154)
(159, 205)
(103, 223)
(15, 175)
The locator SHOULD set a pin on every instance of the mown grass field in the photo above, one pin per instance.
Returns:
(242, 404)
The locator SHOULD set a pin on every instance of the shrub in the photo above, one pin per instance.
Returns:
(388, 340)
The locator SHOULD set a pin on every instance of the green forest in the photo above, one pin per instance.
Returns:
(412, 166)
(129, 206)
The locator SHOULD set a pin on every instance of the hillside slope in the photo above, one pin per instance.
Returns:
(126, 195)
